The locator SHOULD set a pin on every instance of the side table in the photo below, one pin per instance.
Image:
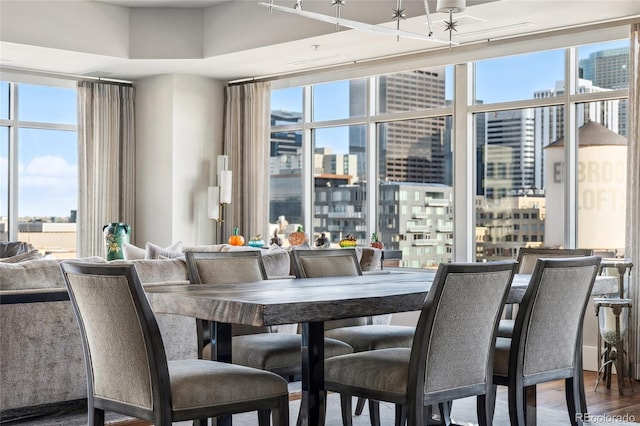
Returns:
(613, 322)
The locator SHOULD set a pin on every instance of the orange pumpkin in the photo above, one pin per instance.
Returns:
(236, 239)
(298, 237)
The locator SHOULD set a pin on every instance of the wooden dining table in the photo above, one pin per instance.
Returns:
(310, 302)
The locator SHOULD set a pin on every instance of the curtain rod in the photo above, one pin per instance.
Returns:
(65, 76)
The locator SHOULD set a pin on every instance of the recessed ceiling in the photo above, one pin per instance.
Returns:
(164, 3)
(237, 39)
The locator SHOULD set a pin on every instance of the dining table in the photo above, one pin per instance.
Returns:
(309, 302)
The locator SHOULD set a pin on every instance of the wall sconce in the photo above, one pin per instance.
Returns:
(220, 196)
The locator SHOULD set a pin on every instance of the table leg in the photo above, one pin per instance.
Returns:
(312, 361)
(221, 351)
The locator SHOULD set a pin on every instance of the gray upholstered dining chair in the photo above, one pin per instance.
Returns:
(546, 342)
(127, 369)
(362, 333)
(461, 309)
(258, 347)
(527, 257)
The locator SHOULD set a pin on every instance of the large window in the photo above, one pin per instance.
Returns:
(351, 122)
(395, 132)
(522, 192)
(39, 165)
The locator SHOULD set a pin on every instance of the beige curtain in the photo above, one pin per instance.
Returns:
(632, 249)
(246, 142)
(105, 161)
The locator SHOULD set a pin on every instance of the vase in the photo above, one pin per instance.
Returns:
(115, 234)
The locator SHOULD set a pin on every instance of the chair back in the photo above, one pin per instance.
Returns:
(329, 263)
(527, 256)
(231, 267)
(452, 352)
(123, 348)
(548, 329)
(325, 263)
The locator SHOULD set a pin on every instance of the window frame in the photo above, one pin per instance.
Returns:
(14, 124)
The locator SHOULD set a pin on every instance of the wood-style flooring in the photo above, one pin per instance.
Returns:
(551, 395)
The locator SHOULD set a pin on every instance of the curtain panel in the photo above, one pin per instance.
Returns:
(247, 125)
(632, 246)
(106, 160)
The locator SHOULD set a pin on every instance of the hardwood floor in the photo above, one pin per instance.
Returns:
(551, 395)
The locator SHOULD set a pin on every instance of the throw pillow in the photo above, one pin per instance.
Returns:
(30, 255)
(154, 251)
(132, 252)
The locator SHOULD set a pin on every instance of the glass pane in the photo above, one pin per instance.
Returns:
(339, 100)
(286, 106)
(48, 190)
(415, 193)
(512, 171)
(515, 78)
(602, 172)
(605, 66)
(413, 90)
(285, 184)
(4, 183)
(4, 100)
(47, 104)
(339, 185)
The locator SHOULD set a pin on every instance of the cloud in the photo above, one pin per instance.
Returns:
(49, 172)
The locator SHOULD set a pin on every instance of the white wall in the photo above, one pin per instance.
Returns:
(178, 136)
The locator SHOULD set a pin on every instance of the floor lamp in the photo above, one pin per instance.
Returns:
(220, 196)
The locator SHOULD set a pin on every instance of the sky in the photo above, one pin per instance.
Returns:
(48, 163)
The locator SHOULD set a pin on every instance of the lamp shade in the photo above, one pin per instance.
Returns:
(213, 203)
(454, 6)
(225, 186)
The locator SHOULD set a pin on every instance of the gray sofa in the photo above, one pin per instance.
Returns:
(41, 360)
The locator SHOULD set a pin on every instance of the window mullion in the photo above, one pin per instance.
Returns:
(13, 164)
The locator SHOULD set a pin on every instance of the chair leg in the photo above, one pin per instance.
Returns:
(374, 412)
(280, 414)
(445, 412)
(96, 417)
(516, 404)
(401, 415)
(530, 405)
(360, 405)
(264, 417)
(484, 409)
(574, 401)
(345, 408)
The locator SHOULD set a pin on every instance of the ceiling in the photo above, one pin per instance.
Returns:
(237, 39)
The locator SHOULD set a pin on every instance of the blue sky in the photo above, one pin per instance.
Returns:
(47, 160)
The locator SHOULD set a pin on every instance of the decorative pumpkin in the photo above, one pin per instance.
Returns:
(256, 241)
(298, 237)
(236, 239)
(375, 241)
(349, 241)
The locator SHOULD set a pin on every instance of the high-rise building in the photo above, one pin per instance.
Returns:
(410, 150)
(609, 69)
(509, 153)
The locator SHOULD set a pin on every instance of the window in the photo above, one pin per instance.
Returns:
(398, 126)
(39, 135)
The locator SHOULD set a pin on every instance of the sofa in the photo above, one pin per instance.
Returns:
(41, 361)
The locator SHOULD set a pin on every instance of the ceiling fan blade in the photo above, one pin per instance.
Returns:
(356, 25)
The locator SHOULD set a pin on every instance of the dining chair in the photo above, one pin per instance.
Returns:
(362, 333)
(527, 257)
(127, 369)
(276, 349)
(461, 310)
(546, 342)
